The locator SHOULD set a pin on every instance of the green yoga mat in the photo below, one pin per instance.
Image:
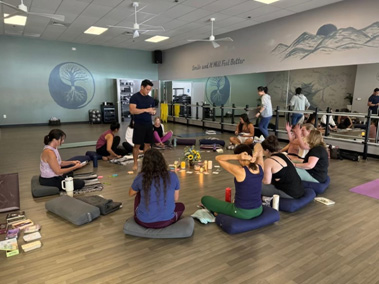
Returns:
(78, 144)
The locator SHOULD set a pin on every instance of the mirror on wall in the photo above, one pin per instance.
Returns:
(341, 88)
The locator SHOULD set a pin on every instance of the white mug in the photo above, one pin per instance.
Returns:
(68, 186)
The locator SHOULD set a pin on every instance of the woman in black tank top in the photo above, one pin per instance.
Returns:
(280, 176)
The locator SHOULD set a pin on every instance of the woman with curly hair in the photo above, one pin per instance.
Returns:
(244, 132)
(156, 190)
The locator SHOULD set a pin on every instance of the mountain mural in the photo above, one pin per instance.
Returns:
(329, 39)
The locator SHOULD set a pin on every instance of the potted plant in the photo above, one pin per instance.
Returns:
(349, 98)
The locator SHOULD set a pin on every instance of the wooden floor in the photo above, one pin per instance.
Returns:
(318, 244)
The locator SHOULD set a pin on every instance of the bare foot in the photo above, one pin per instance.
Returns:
(105, 158)
(135, 167)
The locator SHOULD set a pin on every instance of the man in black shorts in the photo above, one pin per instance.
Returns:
(142, 106)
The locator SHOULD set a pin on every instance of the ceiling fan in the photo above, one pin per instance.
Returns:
(23, 9)
(140, 27)
(212, 38)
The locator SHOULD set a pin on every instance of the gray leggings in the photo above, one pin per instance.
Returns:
(270, 190)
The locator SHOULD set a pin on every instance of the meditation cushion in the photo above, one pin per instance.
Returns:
(233, 225)
(212, 142)
(292, 205)
(80, 158)
(185, 141)
(73, 210)
(93, 155)
(318, 188)
(181, 229)
(42, 190)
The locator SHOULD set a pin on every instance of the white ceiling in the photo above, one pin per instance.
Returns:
(181, 19)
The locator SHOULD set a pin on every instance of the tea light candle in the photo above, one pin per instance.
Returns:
(201, 169)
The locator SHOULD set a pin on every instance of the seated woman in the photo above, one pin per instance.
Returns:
(107, 143)
(156, 190)
(248, 177)
(128, 144)
(315, 165)
(244, 132)
(160, 137)
(344, 122)
(51, 163)
(280, 176)
(297, 149)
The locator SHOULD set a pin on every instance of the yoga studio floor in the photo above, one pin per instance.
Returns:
(318, 244)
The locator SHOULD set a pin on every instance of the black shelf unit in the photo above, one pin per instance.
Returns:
(108, 113)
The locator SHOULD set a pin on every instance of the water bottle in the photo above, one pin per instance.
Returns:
(228, 194)
(174, 142)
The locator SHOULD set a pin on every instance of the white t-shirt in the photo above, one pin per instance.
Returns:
(331, 120)
(299, 102)
(266, 102)
(129, 135)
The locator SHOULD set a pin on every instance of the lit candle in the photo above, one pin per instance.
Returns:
(183, 165)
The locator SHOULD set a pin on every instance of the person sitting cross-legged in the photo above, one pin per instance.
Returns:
(248, 175)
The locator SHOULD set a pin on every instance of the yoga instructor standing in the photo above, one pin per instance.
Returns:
(142, 106)
(265, 111)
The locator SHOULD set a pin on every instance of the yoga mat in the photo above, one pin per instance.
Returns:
(9, 192)
(370, 189)
(78, 144)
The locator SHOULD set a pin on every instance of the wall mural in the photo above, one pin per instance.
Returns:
(329, 39)
(324, 87)
(217, 90)
(71, 85)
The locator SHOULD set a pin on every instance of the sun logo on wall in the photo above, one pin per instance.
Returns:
(71, 85)
(217, 90)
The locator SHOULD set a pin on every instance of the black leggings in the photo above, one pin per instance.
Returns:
(103, 149)
(57, 182)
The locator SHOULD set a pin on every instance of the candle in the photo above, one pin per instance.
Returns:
(183, 165)
(210, 165)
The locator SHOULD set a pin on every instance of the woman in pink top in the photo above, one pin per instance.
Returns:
(107, 143)
(53, 169)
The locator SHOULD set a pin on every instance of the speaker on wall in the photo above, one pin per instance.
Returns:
(157, 57)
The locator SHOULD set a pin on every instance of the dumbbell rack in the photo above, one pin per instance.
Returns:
(94, 116)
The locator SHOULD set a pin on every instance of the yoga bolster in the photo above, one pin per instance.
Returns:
(233, 225)
(181, 229)
(292, 205)
(318, 188)
(39, 190)
(185, 141)
(212, 141)
(73, 210)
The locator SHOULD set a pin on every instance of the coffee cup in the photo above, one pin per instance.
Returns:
(68, 186)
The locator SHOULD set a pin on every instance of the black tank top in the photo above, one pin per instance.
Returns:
(289, 181)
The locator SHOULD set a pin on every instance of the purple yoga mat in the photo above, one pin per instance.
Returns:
(370, 189)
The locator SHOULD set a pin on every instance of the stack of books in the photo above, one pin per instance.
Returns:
(17, 223)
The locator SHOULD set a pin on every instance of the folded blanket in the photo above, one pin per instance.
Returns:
(106, 206)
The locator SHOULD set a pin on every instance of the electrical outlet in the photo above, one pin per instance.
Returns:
(5, 116)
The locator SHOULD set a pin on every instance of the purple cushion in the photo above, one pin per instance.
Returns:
(292, 205)
(233, 225)
(318, 188)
